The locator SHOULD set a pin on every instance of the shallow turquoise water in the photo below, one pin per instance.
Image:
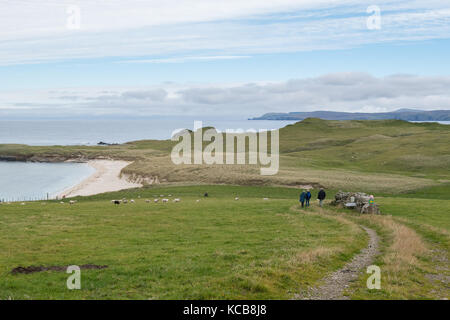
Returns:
(23, 181)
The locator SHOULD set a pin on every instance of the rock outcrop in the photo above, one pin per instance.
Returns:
(356, 200)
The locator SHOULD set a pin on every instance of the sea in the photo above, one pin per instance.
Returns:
(91, 132)
(20, 181)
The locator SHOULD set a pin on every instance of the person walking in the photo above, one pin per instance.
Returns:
(308, 197)
(321, 196)
(303, 198)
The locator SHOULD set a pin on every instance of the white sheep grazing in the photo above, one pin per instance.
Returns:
(198, 200)
(147, 201)
(265, 199)
(161, 195)
(237, 198)
(71, 202)
(156, 200)
(176, 200)
(131, 201)
(22, 204)
(165, 200)
(169, 195)
(62, 202)
(124, 201)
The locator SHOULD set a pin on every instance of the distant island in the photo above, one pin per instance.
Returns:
(401, 114)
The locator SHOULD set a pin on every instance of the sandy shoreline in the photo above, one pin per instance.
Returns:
(106, 178)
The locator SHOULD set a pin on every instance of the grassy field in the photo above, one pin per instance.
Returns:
(251, 248)
(416, 246)
(217, 248)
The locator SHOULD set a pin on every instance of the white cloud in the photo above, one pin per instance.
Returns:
(340, 92)
(185, 59)
(182, 30)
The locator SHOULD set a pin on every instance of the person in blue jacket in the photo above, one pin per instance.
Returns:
(308, 197)
(303, 198)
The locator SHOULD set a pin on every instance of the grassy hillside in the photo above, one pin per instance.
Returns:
(251, 248)
(374, 156)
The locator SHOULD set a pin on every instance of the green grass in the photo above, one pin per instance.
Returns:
(388, 156)
(253, 249)
(441, 192)
(433, 212)
(215, 248)
(425, 273)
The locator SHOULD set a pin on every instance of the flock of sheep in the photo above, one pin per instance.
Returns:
(163, 200)
(125, 201)
(156, 200)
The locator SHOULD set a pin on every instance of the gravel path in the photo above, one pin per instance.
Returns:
(336, 283)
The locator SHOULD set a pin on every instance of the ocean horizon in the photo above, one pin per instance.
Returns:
(91, 132)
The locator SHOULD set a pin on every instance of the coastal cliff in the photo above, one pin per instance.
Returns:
(402, 114)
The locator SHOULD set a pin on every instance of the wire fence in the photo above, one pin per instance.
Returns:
(46, 197)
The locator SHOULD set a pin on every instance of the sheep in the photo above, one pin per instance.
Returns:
(62, 202)
(169, 195)
(165, 200)
(236, 199)
(22, 204)
(156, 200)
(176, 200)
(198, 200)
(161, 195)
(125, 201)
(265, 199)
(147, 201)
(131, 201)
(71, 202)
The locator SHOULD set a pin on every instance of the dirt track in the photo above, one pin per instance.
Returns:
(334, 285)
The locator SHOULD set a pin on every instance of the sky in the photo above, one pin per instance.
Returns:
(111, 58)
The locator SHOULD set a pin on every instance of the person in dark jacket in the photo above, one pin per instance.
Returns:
(308, 197)
(321, 196)
(303, 198)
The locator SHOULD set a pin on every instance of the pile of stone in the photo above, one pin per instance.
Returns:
(359, 201)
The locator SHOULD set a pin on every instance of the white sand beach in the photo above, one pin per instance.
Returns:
(106, 178)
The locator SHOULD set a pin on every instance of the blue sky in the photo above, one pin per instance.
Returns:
(428, 58)
(207, 57)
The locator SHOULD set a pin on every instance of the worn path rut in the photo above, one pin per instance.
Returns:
(335, 284)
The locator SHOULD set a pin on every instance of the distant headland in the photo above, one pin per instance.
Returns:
(401, 114)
